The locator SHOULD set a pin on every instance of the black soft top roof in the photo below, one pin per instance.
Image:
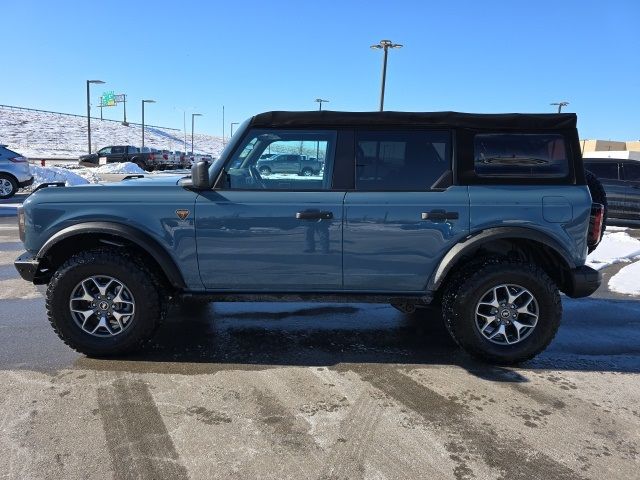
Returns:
(502, 121)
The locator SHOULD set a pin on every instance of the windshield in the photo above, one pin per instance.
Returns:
(217, 164)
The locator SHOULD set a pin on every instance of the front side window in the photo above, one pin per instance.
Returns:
(117, 150)
(520, 155)
(104, 151)
(274, 159)
(401, 161)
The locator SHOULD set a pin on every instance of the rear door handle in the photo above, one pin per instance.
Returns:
(314, 215)
(439, 215)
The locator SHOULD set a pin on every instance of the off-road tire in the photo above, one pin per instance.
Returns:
(465, 289)
(147, 290)
(13, 183)
(598, 195)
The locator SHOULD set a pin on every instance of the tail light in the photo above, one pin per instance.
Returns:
(152, 157)
(595, 224)
(18, 160)
(165, 156)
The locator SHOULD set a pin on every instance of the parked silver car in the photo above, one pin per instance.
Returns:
(14, 172)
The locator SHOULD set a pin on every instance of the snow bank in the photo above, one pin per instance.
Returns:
(627, 280)
(56, 174)
(124, 167)
(616, 247)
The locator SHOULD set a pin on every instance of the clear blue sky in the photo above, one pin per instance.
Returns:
(253, 56)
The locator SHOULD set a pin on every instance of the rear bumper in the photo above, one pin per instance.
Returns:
(28, 266)
(26, 183)
(583, 282)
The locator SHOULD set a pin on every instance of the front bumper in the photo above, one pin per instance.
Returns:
(583, 281)
(30, 268)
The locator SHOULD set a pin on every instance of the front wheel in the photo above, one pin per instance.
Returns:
(102, 303)
(505, 312)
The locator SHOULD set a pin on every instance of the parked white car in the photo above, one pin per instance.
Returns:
(14, 172)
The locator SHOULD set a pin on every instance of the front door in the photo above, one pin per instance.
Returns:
(632, 196)
(403, 215)
(280, 233)
(615, 188)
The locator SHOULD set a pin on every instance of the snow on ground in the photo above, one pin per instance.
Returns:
(627, 280)
(58, 174)
(124, 167)
(53, 135)
(617, 246)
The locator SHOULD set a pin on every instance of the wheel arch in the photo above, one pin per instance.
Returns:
(511, 242)
(83, 236)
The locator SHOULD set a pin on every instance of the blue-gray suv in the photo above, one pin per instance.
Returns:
(489, 217)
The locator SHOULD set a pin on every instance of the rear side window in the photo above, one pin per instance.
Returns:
(405, 161)
(603, 170)
(520, 155)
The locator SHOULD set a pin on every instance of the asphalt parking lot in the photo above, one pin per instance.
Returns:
(315, 391)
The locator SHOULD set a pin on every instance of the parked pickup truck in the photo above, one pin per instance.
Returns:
(289, 163)
(146, 158)
(485, 217)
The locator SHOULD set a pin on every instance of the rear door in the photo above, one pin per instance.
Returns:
(631, 177)
(117, 154)
(404, 214)
(608, 173)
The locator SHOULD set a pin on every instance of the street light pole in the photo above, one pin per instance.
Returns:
(560, 105)
(143, 102)
(232, 124)
(320, 101)
(193, 115)
(89, 112)
(384, 45)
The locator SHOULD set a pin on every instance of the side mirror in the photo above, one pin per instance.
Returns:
(200, 175)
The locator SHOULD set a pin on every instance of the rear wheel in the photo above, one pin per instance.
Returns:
(307, 172)
(265, 171)
(102, 303)
(503, 311)
(8, 186)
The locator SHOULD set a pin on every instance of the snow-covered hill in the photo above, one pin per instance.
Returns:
(55, 135)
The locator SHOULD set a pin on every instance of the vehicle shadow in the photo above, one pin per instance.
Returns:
(249, 336)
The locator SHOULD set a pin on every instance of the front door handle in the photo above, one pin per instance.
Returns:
(314, 215)
(439, 215)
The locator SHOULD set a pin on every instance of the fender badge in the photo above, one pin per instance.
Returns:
(182, 213)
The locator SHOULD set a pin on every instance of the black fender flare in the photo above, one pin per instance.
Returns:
(134, 235)
(468, 244)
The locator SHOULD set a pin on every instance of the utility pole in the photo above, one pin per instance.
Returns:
(232, 124)
(384, 45)
(143, 102)
(560, 105)
(89, 111)
(193, 115)
(223, 126)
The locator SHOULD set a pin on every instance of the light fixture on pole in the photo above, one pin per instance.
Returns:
(384, 45)
(193, 115)
(89, 112)
(232, 124)
(560, 105)
(143, 102)
(320, 102)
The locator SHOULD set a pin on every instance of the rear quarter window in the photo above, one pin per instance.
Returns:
(520, 155)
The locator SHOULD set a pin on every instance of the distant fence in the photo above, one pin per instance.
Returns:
(13, 107)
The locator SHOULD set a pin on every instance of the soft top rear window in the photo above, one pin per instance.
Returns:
(520, 155)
